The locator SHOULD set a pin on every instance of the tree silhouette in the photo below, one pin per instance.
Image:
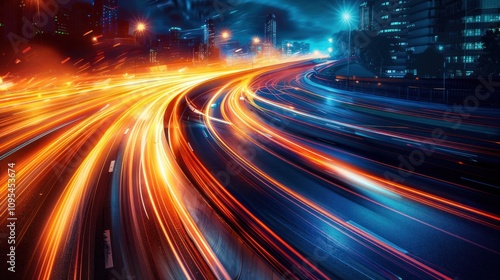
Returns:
(489, 61)
(376, 54)
(429, 63)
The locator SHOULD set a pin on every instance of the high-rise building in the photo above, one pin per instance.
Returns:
(391, 20)
(97, 10)
(80, 19)
(110, 18)
(174, 43)
(466, 21)
(424, 24)
(454, 27)
(209, 38)
(11, 13)
(123, 28)
(270, 30)
(366, 15)
(190, 49)
(62, 22)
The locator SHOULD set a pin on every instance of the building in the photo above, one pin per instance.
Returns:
(97, 9)
(173, 47)
(209, 39)
(466, 21)
(62, 22)
(366, 16)
(454, 27)
(286, 49)
(270, 30)
(289, 48)
(110, 18)
(190, 49)
(123, 28)
(390, 19)
(162, 47)
(174, 43)
(424, 24)
(11, 13)
(80, 19)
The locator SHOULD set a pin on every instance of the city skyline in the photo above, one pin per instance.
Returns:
(294, 18)
(392, 20)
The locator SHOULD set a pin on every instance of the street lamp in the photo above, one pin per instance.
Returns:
(255, 41)
(347, 18)
(141, 27)
(223, 43)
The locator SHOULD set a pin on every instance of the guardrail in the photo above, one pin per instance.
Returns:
(403, 89)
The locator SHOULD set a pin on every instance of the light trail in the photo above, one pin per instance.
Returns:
(141, 157)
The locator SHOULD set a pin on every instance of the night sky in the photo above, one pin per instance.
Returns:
(297, 20)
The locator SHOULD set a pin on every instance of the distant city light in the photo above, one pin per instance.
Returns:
(330, 40)
(256, 40)
(330, 50)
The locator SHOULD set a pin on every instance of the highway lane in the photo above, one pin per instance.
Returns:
(89, 137)
(412, 218)
(477, 157)
(45, 165)
(254, 174)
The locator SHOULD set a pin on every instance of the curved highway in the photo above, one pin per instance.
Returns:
(248, 174)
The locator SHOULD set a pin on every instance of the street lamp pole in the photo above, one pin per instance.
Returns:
(444, 75)
(347, 18)
(224, 41)
(349, 58)
(441, 48)
(255, 41)
(139, 30)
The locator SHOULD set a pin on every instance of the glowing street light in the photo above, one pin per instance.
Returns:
(255, 41)
(330, 40)
(141, 27)
(346, 17)
(225, 35)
